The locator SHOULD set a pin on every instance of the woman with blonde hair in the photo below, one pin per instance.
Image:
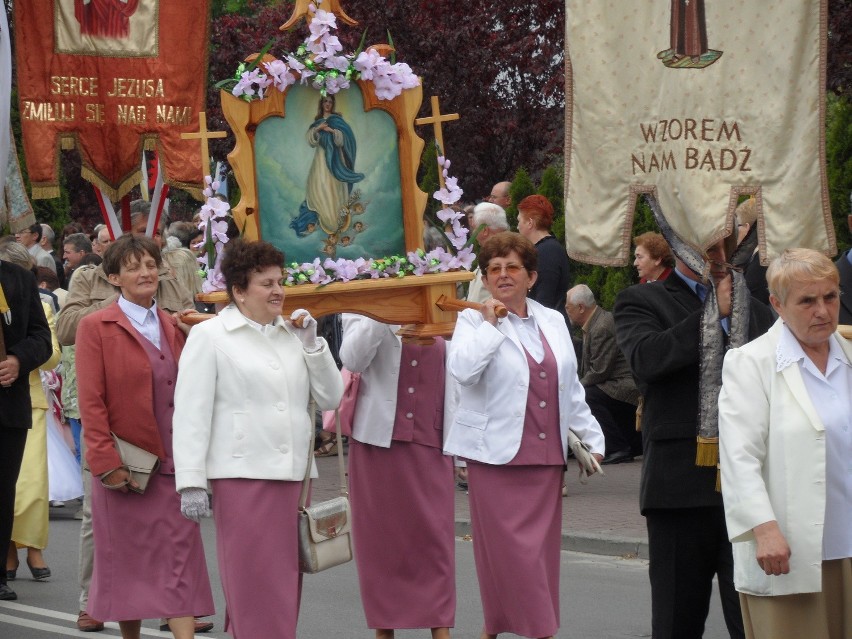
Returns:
(785, 412)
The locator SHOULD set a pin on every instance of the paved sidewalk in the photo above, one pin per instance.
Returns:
(601, 517)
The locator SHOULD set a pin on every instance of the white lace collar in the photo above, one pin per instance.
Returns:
(789, 351)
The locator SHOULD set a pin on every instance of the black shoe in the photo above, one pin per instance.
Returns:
(6, 593)
(11, 575)
(618, 457)
(39, 574)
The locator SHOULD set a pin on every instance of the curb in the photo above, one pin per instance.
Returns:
(586, 543)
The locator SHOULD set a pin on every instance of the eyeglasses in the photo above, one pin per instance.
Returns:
(497, 270)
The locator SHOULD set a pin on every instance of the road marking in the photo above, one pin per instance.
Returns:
(63, 616)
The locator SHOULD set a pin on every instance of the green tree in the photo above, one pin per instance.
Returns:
(838, 156)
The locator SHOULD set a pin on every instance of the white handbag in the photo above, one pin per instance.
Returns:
(325, 538)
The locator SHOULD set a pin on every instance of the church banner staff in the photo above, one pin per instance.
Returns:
(103, 76)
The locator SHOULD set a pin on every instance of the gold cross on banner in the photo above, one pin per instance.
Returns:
(436, 119)
(204, 135)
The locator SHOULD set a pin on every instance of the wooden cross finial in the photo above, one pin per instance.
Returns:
(436, 119)
(301, 10)
(204, 135)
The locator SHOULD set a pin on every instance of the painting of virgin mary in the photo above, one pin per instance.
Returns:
(332, 175)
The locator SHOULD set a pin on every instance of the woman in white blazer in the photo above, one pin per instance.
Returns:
(785, 433)
(400, 480)
(519, 396)
(242, 422)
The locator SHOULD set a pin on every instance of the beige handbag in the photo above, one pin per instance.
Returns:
(324, 528)
(139, 462)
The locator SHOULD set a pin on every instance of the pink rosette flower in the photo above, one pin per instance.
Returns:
(280, 72)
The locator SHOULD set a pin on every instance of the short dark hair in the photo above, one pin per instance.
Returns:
(242, 258)
(36, 230)
(128, 246)
(46, 275)
(79, 241)
(90, 258)
(502, 244)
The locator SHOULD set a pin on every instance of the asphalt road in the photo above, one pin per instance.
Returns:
(602, 598)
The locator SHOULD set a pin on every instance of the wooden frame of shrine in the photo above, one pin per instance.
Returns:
(426, 302)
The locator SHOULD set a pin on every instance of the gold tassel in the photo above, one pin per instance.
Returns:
(708, 451)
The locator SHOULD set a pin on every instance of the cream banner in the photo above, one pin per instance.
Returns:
(696, 103)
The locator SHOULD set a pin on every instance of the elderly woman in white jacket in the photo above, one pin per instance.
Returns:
(519, 396)
(242, 423)
(785, 426)
(401, 483)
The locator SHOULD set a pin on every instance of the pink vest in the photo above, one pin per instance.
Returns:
(164, 369)
(420, 395)
(540, 442)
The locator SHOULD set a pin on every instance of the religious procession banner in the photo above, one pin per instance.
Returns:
(696, 103)
(111, 77)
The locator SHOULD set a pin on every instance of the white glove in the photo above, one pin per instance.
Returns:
(194, 503)
(307, 333)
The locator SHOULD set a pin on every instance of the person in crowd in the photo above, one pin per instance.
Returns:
(25, 345)
(30, 528)
(785, 412)
(48, 237)
(658, 328)
(30, 237)
(500, 195)
(755, 272)
(400, 480)
(75, 248)
(68, 229)
(519, 396)
(492, 220)
(242, 422)
(102, 240)
(48, 284)
(90, 290)
(611, 392)
(535, 217)
(132, 343)
(653, 257)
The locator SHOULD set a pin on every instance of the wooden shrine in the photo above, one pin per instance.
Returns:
(271, 160)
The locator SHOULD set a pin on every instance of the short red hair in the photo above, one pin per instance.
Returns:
(538, 209)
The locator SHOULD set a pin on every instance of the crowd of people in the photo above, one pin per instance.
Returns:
(687, 362)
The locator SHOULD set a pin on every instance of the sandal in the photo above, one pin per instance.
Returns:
(327, 448)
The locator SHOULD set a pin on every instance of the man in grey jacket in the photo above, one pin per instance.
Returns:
(611, 393)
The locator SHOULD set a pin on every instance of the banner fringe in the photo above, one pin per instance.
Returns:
(45, 192)
(113, 193)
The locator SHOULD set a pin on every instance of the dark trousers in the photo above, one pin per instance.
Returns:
(687, 547)
(12, 442)
(617, 420)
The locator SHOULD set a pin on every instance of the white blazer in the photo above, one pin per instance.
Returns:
(374, 350)
(491, 365)
(241, 402)
(772, 454)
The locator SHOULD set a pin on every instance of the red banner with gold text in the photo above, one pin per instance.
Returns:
(110, 77)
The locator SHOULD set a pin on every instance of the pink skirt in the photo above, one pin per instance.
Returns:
(258, 548)
(149, 559)
(403, 530)
(516, 519)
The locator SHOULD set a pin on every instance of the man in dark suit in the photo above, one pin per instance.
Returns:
(25, 345)
(658, 329)
(611, 393)
(844, 265)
